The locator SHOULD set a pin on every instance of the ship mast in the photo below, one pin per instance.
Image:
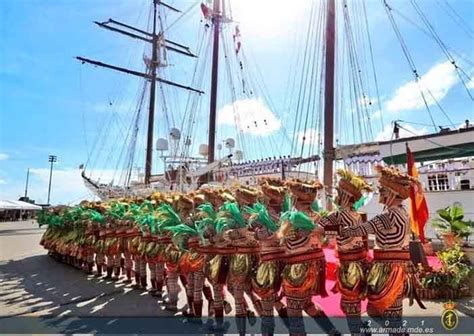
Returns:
(151, 108)
(157, 40)
(214, 78)
(329, 152)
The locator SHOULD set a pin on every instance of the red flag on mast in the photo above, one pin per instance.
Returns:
(418, 208)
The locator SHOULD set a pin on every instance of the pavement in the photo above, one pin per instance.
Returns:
(34, 285)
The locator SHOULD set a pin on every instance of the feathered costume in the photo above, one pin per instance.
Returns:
(352, 251)
(391, 275)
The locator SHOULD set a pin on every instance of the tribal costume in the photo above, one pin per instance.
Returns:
(193, 263)
(216, 265)
(391, 276)
(266, 280)
(91, 236)
(352, 251)
(167, 218)
(100, 252)
(235, 236)
(304, 274)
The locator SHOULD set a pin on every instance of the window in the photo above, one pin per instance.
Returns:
(438, 182)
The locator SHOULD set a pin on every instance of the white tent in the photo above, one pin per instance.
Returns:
(17, 205)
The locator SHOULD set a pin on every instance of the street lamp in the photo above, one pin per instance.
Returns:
(52, 159)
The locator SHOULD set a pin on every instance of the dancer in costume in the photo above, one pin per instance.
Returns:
(162, 240)
(391, 276)
(168, 217)
(266, 280)
(100, 244)
(217, 260)
(187, 236)
(246, 197)
(93, 220)
(352, 251)
(304, 273)
(236, 236)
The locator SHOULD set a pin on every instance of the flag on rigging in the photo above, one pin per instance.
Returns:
(206, 11)
(418, 208)
(237, 40)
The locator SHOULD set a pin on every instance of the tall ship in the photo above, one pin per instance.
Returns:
(198, 130)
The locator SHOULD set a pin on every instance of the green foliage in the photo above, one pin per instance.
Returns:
(455, 271)
(456, 264)
(451, 219)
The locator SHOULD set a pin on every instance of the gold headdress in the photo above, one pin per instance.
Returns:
(396, 181)
(304, 190)
(352, 184)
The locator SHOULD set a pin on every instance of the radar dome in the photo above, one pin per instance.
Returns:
(162, 144)
(175, 134)
(239, 155)
(203, 150)
(230, 143)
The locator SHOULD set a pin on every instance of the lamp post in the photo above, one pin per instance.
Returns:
(52, 159)
(26, 185)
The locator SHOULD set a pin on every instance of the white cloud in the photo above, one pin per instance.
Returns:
(438, 80)
(251, 116)
(310, 136)
(248, 14)
(3, 156)
(470, 84)
(406, 131)
(376, 115)
(67, 186)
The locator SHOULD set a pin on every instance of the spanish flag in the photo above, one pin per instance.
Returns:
(419, 213)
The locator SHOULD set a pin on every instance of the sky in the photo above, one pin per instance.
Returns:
(52, 104)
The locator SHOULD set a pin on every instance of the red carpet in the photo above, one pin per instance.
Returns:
(330, 304)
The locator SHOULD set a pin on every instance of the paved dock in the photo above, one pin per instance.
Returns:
(33, 285)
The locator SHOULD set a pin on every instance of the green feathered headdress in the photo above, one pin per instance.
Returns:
(260, 213)
(298, 219)
(117, 210)
(207, 218)
(206, 210)
(229, 217)
(166, 216)
(96, 216)
(132, 213)
(148, 221)
(287, 203)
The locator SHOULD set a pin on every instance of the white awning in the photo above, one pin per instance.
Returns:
(17, 205)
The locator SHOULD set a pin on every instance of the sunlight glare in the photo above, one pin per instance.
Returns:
(268, 18)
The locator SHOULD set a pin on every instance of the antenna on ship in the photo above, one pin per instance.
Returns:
(157, 40)
(329, 152)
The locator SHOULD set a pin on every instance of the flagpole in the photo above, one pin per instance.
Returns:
(417, 252)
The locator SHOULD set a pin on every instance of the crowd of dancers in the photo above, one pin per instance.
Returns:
(260, 245)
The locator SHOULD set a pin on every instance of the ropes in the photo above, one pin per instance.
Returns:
(379, 104)
(458, 19)
(441, 45)
(408, 57)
